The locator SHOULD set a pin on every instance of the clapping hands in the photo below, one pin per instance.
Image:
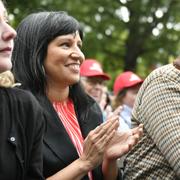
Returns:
(106, 143)
(122, 142)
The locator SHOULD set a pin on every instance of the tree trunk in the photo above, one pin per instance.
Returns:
(130, 61)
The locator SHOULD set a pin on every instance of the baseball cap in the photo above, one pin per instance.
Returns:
(91, 68)
(125, 80)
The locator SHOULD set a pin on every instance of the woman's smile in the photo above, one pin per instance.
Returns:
(74, 67)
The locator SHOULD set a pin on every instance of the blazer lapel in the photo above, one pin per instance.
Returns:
(56, 136)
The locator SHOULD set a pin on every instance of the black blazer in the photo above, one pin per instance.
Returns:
(58, 150)
(21, 132)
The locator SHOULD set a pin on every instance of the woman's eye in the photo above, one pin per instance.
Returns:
(80, 46)
(65, 45)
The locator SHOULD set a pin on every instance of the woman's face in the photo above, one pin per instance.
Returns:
(63, 60)
(7, 34)
(130, 96)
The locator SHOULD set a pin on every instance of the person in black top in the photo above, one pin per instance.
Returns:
(21, 118)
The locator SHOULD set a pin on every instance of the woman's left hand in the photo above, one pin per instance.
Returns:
(122, 142)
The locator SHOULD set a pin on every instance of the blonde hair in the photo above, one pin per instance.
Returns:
(7, 79)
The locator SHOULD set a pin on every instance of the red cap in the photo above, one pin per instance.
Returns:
(125, 80)
(91, 67)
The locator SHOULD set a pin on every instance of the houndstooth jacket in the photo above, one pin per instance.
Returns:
(157, 106)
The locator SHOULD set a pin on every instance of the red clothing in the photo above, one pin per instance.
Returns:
(68, 117)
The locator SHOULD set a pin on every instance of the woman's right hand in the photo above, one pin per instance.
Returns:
(96, 143)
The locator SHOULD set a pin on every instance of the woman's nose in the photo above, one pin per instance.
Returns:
(9, 33)
(78, 56)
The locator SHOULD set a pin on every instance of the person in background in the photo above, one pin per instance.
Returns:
(93, 79)
(105, 103)
(47, 59)
(21, 135)
(126, 87)
(157, 106)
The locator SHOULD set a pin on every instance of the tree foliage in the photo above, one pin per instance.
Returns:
(122, 34)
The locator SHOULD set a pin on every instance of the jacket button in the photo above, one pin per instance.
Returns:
(12, 139)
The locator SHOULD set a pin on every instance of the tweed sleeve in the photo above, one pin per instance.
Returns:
(159, 110)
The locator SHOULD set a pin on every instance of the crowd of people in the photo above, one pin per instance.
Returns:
(65, 130)
(59, 120)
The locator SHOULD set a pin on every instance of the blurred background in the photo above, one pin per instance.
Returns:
(136, 35)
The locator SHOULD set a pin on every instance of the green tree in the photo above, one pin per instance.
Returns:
(122, 34)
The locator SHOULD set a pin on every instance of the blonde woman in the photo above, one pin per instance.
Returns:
(21, 124)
